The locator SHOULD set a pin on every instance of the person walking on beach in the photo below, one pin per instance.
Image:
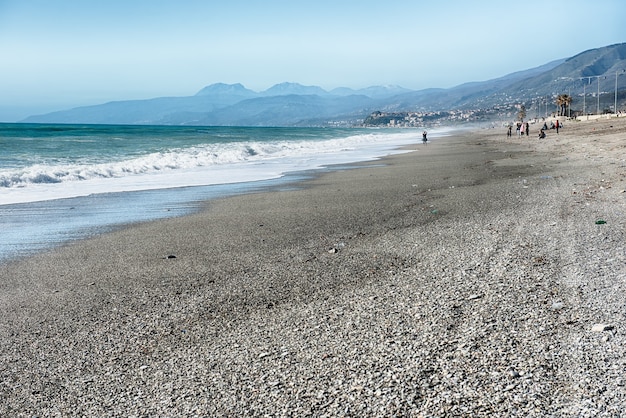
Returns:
(522, 129)
(527, 128)
(557, 126)
(509, 132)
(424, 139)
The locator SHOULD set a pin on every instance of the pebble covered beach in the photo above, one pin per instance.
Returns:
(477, 275)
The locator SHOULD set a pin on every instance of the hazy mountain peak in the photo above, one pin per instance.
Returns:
(223, 88)
(375, 92)
(283, 89)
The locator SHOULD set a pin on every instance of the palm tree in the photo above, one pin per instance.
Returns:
(522, 113)
(559, 103)
(563, 101)
(568, 101)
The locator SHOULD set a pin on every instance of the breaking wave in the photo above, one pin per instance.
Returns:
(208, 155)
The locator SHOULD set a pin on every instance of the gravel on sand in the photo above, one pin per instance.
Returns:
(469, 277)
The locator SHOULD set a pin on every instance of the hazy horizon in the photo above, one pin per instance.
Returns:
(60, 55)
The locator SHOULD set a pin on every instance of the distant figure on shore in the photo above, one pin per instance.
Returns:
(509, 132)
(545, 127)
(557, 124)
(424, 139)
(542, 134)
(527, 128)
(517, 129)
(522, 129)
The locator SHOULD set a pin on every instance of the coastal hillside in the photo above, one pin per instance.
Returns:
(592, 79)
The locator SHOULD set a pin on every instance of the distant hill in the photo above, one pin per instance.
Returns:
(293, 104)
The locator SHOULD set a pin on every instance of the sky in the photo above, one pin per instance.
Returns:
(60, 54)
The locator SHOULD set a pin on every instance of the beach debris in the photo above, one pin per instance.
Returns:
(169, 257)
(601, 328)
(474, 296)
(556, 306)
(333, 250)
(600, 222)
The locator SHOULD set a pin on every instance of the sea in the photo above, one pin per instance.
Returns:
(61, 182)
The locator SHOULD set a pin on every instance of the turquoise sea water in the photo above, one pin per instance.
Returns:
(65, 182)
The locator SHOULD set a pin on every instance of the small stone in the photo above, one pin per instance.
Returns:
(171, 256)
(333, 251)
(601, 328)
(474, 296)
(557, 306)
(264, 354)
(514, 374)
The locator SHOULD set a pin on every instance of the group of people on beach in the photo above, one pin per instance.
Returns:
(524, 128)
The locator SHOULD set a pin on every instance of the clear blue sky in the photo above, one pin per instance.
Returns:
(65, 53)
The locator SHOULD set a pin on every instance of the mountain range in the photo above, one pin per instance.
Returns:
(292, 104)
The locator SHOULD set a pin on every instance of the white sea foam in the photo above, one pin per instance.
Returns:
(216, 163)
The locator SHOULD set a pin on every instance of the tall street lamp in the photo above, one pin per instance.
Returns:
(569, 104)
(585, 94)
(598, 108)
(616, 74)
(585, 99)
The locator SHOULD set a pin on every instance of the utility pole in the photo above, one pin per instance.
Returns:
(616, 74)
(585, 99)
(598, 109)
(569, 105)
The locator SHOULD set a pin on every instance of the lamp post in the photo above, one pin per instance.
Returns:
(616, 74)
(569, 105)
(585, 99)
(585, 93)
(598, 108)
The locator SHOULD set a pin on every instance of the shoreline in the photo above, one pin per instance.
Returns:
(32, 226)
(460, 279)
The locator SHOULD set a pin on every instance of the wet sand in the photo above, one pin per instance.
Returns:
(477, 275)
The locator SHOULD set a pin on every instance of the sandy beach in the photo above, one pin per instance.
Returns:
(473, 276)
